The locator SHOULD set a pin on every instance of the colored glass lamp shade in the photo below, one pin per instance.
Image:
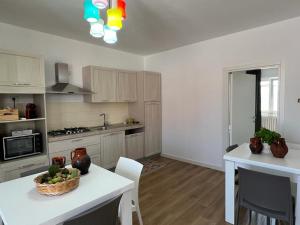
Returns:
(122, 7)
(114, 19)
(100, 4)
(91, 12)
(110, 36)
(97, 29)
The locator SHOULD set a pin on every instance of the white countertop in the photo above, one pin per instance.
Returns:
(242, 154)
(21, 204)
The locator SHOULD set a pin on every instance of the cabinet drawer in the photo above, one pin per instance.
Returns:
(73, 143)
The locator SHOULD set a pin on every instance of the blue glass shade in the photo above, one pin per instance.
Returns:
(91, 12)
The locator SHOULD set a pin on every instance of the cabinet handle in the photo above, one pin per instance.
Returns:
(76, 140)
(26, 166)
(22, 84)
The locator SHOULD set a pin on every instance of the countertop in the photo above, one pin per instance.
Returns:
(96, 131)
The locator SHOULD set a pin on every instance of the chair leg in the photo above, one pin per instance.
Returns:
(237, 218)
(268, 220)
(250, 216)
(138, 211)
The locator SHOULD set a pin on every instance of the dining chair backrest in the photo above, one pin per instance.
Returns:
(34, 171)
(231, 147)
(267, 194)
(132, 170)
(103, 214)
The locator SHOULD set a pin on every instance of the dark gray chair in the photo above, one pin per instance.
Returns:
(103, 214)
(266, 194)
(34, 171)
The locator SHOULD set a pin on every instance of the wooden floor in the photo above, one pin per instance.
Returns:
(182, 194)
(185, 194)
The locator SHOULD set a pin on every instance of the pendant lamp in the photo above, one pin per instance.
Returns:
(97, 29)
(114, 18)
(110, 36)
(91, 12)
(122, 7)
(100, 4)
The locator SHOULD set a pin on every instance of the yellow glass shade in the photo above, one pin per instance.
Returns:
(114, 18)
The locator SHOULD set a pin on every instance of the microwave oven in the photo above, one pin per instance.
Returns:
(14, 147)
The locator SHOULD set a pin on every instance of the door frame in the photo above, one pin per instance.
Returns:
(226, 95)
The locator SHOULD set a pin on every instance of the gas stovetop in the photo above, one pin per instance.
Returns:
(68, 131)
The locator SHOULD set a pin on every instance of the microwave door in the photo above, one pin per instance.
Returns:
(15, 147)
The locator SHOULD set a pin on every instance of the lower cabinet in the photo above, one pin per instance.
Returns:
(135, 145)
(14, 169)
(112, 148)
(64, 148)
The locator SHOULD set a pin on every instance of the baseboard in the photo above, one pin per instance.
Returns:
(182, 159)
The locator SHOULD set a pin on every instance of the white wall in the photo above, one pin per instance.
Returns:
(193, 90)
(77, 54)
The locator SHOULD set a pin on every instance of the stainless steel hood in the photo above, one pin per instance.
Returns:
(62, 85)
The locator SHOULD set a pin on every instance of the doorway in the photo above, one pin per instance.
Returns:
(253, 102)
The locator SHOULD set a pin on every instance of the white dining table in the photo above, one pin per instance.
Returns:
(21, 204)
(265, 162)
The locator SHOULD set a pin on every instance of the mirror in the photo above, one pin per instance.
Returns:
(254, 102)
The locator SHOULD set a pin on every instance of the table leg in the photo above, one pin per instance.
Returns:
(297, 211)
(229, 192)
(126, 209)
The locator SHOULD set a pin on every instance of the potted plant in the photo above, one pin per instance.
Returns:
(277, 144)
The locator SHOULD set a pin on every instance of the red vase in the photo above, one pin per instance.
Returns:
(279, 148)
(81, 160)
(256, 145)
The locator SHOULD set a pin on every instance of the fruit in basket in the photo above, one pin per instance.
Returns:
(56, 175)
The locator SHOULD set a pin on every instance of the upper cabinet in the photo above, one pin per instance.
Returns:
(152, 87)
(109, 85)
(21, 74)
(127, 89)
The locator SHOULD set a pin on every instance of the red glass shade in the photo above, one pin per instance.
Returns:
(122, 6)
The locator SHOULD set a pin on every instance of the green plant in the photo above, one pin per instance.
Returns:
(54, 169)
(267, 136)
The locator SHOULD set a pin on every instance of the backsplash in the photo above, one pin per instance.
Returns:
(76, 114)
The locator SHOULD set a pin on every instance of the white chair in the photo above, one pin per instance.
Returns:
(132, 170)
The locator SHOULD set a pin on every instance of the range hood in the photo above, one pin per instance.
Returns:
(62, 85)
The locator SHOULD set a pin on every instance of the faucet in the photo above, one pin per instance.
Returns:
(104, 120)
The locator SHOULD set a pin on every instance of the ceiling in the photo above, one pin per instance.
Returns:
(152, 25)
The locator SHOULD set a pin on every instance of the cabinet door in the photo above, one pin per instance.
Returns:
(29, 71)
(104, 83)
(152, 86)
(135, 146)
(152, 128)
(8, 70)
(127, 89)
(113, 146)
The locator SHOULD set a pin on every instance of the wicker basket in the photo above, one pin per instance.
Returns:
(58, 188)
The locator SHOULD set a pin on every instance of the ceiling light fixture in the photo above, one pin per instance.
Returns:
(100, 4)
(110, 36)
(97, 29)
(91, 12)
(116, 12)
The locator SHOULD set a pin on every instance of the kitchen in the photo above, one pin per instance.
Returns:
(73, 125)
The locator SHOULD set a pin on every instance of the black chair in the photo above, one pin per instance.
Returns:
(265, 194)
(103, 214)
(34, 171)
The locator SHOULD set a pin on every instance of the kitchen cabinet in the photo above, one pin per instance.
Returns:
(109, 85)
(152, 86)
(14, 169)
(112, 148)
(103, 82)
(135, 145)
(127, 89)
(152, 128)
(64, 148)
(26, 73)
